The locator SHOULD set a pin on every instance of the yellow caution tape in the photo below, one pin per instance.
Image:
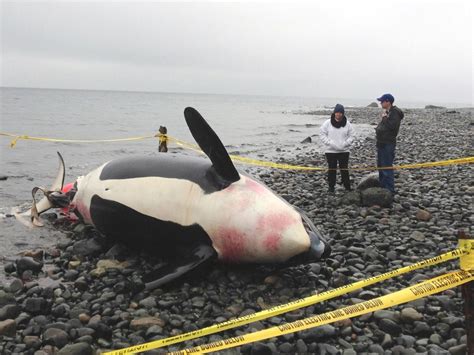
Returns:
(245, 160)
(250, 161)
(17, 137)
(162, 138)
(423, 289)
(467, 260)
(269, 164)
(293, 305)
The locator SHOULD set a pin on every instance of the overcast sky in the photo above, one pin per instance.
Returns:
(418, 50)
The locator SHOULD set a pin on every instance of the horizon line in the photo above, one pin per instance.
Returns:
(468, 105)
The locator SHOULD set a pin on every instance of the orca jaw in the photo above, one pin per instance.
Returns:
(317, 251)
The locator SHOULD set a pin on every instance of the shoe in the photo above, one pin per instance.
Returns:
(348, 189)
(331, 190)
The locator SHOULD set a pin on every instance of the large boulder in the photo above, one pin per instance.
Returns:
(307, 140)
(373, 104)
(351, 198)
(371, 180)
(376, 196)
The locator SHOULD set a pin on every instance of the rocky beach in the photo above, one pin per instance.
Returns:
(86, 294)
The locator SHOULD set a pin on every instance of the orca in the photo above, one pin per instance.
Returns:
(188, 209)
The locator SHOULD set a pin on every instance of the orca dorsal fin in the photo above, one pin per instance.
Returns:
(210, 143)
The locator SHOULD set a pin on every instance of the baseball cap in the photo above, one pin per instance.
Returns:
(386, 97)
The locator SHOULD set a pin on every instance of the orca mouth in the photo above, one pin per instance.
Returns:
(58, 199)
(319, 248)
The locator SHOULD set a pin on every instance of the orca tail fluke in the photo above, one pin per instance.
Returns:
(47, 201)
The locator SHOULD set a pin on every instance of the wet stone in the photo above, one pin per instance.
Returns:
(286, 348)
(389, 326)
(458, 349)
(376, 196)
(321, 332)
(87, 247)
(418, 236)
(15, 286)
(410, 315)
(56, 337)
(7, 327)
(423, 215)
(422, 329)
(36, 305)
(376, 349)
(9, 311)
(301, 347)
(9, 268)
(381, 314)
(80, 348)
(260, 349)
(148, 302)
(146, 322)
(28, 264)
(32, 342)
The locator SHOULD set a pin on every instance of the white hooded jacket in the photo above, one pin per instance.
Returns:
(336, 140)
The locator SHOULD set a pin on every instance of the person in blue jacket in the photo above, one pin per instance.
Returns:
(387, 132)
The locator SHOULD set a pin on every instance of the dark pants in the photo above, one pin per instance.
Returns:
(343, 160)
(385, 156)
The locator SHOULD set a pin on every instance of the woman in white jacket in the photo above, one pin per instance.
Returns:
(337, 135)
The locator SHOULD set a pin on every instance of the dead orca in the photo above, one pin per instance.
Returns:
(188, 209)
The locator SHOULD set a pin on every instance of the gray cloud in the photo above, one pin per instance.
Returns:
(356, 49)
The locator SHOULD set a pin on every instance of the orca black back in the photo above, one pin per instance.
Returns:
(194, 169)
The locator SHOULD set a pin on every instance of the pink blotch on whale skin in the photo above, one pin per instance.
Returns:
(273, 225)
(84, 211)
(240, 192)
(254, 186)
(272, 242)
(231, 243)
(249, 184)
(275, 221)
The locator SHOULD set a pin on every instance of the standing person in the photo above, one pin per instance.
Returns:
(386, 132)
(163, 139)
(337, 135)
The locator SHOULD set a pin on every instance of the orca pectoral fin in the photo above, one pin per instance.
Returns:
(210, 143)
(183, 264)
